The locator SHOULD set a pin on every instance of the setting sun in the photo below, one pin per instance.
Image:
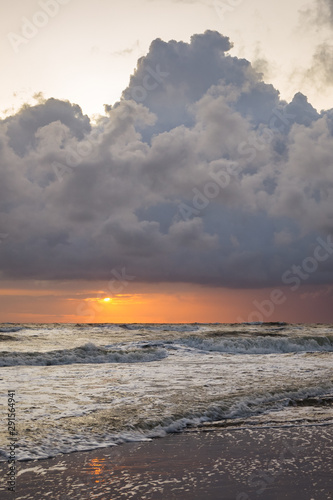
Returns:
(107, 299)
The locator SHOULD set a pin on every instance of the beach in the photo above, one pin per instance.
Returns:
(167, 411)
(276, 463)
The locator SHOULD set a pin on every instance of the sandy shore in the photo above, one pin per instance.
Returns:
(292, 463)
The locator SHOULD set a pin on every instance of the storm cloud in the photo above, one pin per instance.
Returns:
(199, 174)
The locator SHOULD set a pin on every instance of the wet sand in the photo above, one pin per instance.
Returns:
(282, 463)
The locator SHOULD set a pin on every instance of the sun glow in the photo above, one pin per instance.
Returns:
(107, 299)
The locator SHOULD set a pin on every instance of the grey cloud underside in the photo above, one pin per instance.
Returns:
(79, 199)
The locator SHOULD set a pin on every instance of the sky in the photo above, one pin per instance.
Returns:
(166, 161)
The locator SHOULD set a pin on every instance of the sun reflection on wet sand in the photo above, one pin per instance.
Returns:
(96, 467)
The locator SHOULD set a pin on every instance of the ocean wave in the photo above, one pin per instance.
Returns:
(88, 353)
(11, 329)
(243, 409)
(7, 338)
(226, 414)
(260, 344)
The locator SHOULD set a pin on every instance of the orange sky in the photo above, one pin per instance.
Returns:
(82, 302)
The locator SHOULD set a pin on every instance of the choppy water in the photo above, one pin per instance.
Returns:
(81, 387)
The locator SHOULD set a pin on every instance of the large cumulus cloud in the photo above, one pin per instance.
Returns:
(199, 174)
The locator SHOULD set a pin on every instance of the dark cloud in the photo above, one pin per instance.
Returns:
(22, 127)
(175, 75)
(301, 111)
(209, 179)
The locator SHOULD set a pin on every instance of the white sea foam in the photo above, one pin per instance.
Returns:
(236, 414)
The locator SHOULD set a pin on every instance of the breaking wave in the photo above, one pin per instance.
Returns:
(88, 353)
(10, 329)
(260, 344)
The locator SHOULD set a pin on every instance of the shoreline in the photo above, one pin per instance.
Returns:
(280, 463)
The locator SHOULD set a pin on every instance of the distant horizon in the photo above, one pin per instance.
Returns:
(282, 323)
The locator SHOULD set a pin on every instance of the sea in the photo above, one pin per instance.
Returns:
(86, 386)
